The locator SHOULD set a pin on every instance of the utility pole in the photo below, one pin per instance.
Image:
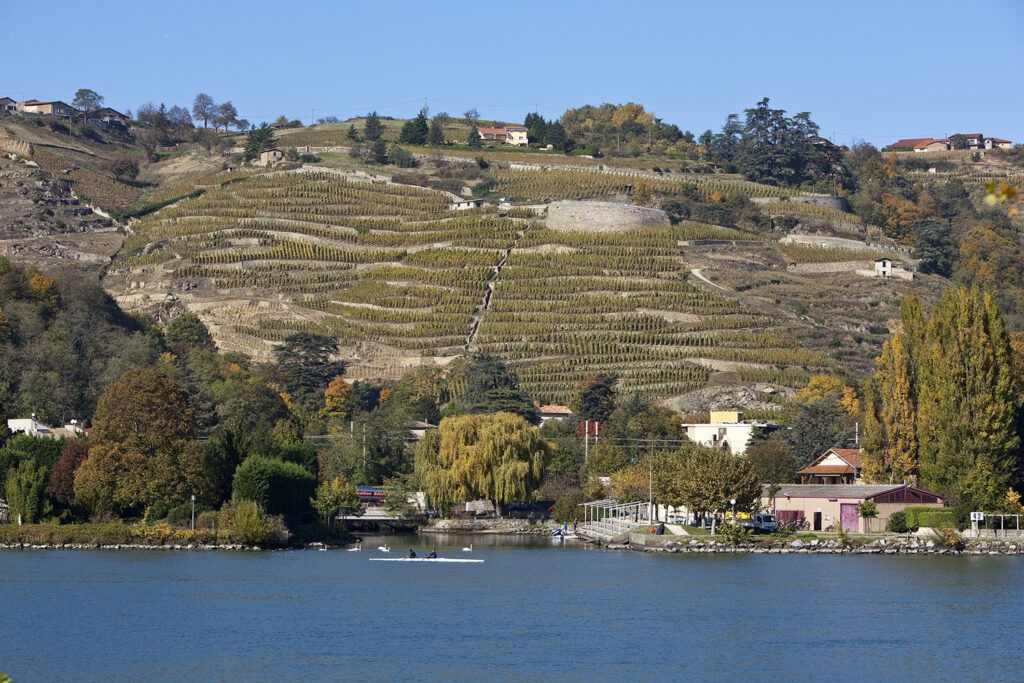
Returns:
(650, 484)
(586, 441)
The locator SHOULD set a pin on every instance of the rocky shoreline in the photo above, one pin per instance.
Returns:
(485, 526)
(639, 542)
(126, 546)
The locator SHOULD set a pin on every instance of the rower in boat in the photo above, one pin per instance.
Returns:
(432, 555)
(412, 553)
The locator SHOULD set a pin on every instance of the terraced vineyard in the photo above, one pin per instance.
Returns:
(546, 184)
(568, 305)
(401, 280)
(387, 268)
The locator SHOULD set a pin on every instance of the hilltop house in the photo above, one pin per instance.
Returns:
(7, 104)
(974, 141)
(55, 108)
(726, 429)
(834, 506)
(107, 115)
(512, 135)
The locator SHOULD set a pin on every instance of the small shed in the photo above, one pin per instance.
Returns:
(466, 204)
(270, 157)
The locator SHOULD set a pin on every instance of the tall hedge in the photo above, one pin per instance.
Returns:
(279, 487)
(933, 517)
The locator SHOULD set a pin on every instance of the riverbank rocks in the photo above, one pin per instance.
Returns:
(494, 526)
(883, 546)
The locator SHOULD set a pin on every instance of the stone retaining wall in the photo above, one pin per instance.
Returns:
(602, 216)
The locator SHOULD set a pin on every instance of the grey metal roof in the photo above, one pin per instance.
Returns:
(832, 490)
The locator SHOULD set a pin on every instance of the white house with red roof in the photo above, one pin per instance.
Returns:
(512, 135)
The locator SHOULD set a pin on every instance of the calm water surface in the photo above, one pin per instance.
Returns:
(532, 611)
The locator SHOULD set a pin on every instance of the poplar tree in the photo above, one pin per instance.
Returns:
(967, 401)
(890, 433)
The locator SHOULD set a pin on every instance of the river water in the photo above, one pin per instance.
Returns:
(532, 611)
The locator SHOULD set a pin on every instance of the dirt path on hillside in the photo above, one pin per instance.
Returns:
(485, 304)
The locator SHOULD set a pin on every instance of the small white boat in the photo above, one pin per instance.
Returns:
(423, 559)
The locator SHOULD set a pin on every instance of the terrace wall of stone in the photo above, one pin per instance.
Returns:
(591, 216)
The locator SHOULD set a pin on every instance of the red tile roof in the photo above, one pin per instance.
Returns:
(907, 143)
(850, 455)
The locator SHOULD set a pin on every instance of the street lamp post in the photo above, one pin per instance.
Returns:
(732, 501)
(193, 512)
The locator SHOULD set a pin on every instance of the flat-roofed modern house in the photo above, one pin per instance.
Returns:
(726, 429)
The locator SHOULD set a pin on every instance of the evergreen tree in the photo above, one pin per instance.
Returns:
(491, 387)
(474, 139)
(372, 128)
(934, 246)
(379, 151)
(259, 140)
(536, 129)
(967, 401)
(436, 135)
(415, 131)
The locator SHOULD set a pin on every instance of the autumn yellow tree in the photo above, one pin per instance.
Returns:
(337, 398)
(643, 193)
(890, 425)
(827, 386)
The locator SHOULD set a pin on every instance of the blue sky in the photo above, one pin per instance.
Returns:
(870, 69)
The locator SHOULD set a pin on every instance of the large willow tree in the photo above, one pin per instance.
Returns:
(499, 457)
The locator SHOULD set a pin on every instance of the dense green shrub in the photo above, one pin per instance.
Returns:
(279, 487)
(897, 522)
(247, 522)
(927, 516)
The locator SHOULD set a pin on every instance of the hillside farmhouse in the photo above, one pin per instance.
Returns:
(7, 104)
(106, 115)
(512, 135)
(55, 108)
(975, 141)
